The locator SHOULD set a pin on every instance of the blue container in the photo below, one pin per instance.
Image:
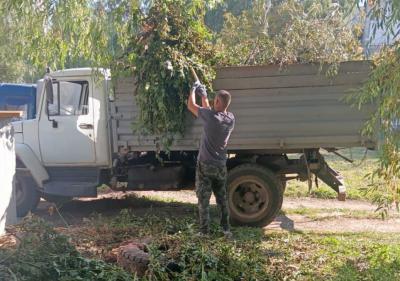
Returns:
(19, 97)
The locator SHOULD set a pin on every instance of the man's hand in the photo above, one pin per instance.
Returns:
(200, 89)
(196, 84)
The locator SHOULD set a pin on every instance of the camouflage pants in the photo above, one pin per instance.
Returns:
(211, 178)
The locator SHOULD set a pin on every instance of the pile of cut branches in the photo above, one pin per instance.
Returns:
(172, 38)
(46, 255)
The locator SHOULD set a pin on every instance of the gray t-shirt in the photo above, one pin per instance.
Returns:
(217, 128)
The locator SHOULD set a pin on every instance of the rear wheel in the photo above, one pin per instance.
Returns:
(26, 195)
(255, 195)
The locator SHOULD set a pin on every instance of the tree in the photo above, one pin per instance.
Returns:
(172, 38)
(157, 41)
(214, 17)
(289, 32)
(383, 90)
(55, 33)
(12, 68)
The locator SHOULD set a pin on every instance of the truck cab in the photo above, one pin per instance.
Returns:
(60, 151)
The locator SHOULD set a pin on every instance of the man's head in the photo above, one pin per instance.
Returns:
(222, 100)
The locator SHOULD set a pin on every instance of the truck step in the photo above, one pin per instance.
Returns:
(71, 189)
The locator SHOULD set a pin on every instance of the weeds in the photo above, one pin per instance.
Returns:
(177, 254)
(46, 255)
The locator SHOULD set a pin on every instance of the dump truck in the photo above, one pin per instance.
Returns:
(83, 136)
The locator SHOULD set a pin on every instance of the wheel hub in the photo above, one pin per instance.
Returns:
(249, 197)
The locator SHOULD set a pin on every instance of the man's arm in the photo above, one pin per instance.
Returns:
(192, 105)
(205, 103)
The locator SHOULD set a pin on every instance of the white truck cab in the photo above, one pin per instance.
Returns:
(67, 139)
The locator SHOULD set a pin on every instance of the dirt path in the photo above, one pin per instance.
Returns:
(298, 214)
(315, 203)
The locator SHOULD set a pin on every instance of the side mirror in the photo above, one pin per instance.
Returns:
(48, 84)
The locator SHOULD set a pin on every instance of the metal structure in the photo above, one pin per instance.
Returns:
(276, 109)
(284, 115)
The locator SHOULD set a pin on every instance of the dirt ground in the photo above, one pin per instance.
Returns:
(298, 214)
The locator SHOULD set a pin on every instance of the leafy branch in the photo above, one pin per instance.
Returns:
(172, 39)
(383, 90)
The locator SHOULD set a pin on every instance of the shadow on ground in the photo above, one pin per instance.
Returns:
(282, 221)
(75, 211)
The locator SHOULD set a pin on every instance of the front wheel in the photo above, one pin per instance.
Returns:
(27, 196)
(255, 195)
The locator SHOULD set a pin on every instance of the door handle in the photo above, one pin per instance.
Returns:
(85, 126)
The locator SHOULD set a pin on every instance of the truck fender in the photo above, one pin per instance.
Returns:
(25, 154)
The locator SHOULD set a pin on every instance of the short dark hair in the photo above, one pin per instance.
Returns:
(225, 97)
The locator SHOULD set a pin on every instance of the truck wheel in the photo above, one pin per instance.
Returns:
(26, 195)
(254, 195)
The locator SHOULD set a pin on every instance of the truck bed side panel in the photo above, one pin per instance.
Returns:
(297, 107)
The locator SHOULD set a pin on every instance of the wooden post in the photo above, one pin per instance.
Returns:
(10, 114)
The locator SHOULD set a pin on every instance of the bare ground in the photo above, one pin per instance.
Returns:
(326, 215)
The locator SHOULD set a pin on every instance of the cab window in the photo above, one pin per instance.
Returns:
(70, 98)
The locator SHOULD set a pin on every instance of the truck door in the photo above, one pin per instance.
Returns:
(69, 139)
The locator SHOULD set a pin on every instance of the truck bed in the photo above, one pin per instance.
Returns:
(276, 109)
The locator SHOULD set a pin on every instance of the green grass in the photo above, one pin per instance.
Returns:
(253, 254)
(312, 256)
(327, 213)
(355, 177)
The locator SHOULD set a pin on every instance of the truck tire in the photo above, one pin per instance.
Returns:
(255, 195)
(27, 197)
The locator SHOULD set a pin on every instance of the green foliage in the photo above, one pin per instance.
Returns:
(174, 239)
(289, 32)
(386, 16)
(209, 259)
(157, 42)
(64, 34)
(382, 90)
(172, 39)
(254, 254)
(12, 68)
(44, 254)
(214, 17)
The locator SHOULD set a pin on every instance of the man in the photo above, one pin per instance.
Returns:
(211, 169)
